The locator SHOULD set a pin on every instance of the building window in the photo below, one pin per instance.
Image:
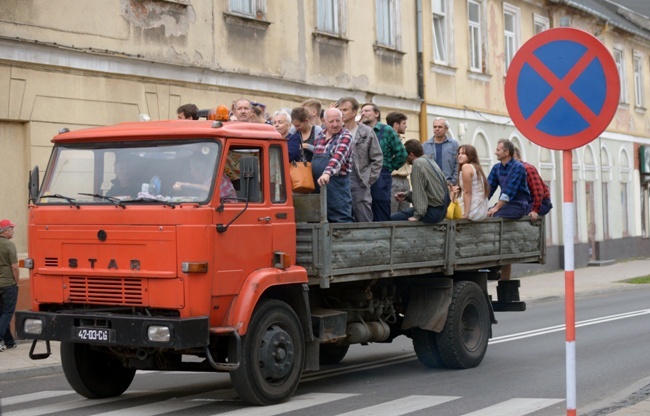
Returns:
(540, 24)
(620, 66)
(511, 31)
(387, 23)
(252, 8)
(441, 31)
(476, 63)
(638, 80)
(327, 16)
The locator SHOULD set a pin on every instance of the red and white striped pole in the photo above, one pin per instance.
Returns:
(569, 283)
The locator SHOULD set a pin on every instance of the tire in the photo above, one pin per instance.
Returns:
(464, 339)
(92, 373)
(426, 348)
(332, 353)
(273, 355)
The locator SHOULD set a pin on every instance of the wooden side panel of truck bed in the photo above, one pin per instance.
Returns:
(337, 252)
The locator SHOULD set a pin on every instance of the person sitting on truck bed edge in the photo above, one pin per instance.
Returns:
(509, 175)
(331, 166)
(429, 194)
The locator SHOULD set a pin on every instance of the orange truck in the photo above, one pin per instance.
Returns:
(179, 245)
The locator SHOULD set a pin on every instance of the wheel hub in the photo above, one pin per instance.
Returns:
(276, 353)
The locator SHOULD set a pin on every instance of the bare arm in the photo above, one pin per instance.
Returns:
(466, 176)
(16, 270)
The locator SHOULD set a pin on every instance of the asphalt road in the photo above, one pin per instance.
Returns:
(523, 373)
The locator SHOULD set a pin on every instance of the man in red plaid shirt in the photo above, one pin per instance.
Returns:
(541, 198)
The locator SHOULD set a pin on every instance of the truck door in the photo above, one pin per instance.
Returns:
(246, 244)
(282, 217)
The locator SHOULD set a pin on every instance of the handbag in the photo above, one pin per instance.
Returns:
(454, 212)
(302, 179)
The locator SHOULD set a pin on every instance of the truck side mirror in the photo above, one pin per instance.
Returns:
(33, 185)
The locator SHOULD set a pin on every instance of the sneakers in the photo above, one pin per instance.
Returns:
(4, 347)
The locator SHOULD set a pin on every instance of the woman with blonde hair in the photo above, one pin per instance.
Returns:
(472, 184)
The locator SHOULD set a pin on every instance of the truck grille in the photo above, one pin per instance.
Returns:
(105, 291)
(51, 262)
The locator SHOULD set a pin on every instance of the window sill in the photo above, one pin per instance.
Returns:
(623, 106)
(478, 76)
(388, 51)
(181, 2)
(329, 38)
(246, 21)
(443, 69)
(640, 110)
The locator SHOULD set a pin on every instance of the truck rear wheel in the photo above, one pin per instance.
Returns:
(332, 353)
(426, 348)
(464, 339)
(92, 373)
(273, 354)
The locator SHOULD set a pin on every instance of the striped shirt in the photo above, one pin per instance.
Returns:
(428, 186)
(339, 145)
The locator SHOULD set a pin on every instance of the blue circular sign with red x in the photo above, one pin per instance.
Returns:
(562, 88)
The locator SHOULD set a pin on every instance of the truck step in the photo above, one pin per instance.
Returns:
(509, 306)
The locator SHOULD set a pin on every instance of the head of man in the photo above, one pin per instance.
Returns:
(516, 154)
(188, 112)
(413, 149)
(349, 107)
(122, 170)
(397, 121)
(314, 107)
(282, 122)
(504, 151)
(7, 229)
(370, 114)
(243, 110)
(333, 121)
(440, 128)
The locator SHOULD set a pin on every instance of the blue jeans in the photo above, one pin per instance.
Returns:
(433, 215)
(381, 196)
(9, 298)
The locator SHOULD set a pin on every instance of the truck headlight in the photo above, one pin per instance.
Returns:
(33, 326)
(159, 333)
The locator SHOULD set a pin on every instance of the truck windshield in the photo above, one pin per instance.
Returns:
(108, 174)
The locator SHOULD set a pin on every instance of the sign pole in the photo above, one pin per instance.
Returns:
(569, 283)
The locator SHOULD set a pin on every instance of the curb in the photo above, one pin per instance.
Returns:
(45, 370)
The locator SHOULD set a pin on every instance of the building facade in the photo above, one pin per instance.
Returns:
(116, 60)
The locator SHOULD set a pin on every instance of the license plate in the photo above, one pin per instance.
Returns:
(91, 334)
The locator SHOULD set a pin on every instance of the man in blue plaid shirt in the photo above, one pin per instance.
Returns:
(509, 175)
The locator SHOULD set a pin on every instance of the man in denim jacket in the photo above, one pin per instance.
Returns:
(443, 150)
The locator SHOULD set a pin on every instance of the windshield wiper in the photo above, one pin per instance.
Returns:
(71, 201)
(147, 199)
(116, 201)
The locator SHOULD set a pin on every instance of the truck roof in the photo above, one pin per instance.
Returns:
(156, 130)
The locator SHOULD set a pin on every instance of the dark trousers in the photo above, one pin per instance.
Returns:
(9, 298)
(381, 195)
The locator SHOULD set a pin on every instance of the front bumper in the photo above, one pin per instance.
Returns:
(123, 330)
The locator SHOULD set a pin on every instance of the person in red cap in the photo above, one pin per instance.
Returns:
(9, 275)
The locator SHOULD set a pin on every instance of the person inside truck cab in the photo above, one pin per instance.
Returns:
(124, 184)
(202, 178)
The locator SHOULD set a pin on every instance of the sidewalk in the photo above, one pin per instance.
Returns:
(16, 363)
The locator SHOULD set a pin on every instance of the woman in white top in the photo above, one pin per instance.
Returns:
(472, 183)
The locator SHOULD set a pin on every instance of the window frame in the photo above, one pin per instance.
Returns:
(477, 63)
(637, 65)
(444, 41)
(540, 21)
(512, 38)
(329, 10)
(255, 6)
(394, 40)
(619, 59)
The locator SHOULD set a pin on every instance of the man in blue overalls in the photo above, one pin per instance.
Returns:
(331, 166)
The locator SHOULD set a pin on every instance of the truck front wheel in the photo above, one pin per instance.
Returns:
(273, 354)
(464, 339)
(92, 373)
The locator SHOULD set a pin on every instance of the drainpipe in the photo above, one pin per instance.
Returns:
(421, 73)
